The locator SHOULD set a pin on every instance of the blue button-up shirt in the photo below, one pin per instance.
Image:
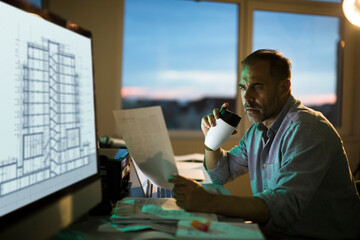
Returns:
(300, 169)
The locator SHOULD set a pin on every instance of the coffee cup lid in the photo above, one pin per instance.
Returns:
(230, 117)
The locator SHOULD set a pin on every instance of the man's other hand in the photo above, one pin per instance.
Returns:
(190, 195)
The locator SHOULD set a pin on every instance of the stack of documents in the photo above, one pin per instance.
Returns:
(157, 214)
(156, 210)
(164, 216)
(219, 231)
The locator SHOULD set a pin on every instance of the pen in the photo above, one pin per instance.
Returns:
(204, 227)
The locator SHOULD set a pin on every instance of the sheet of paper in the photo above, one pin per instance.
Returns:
(129, 210)
(179, 214)
(147, 139)
(195, 174)
(219, 230)
(194, 157)
(113, 227)
(160, 210)
(166, 203)
(191, 170)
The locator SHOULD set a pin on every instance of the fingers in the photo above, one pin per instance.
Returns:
(205, 122)
(180, 203)
(216, 112)
(209, 120)
(185, 191)
(180, 180)
(179, 196)
(182, 184)
(179, 189)
(225, 105)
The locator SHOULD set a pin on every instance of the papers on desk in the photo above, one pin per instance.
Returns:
(163, 215)
(219, 231)
(156, 210)
(160, 214)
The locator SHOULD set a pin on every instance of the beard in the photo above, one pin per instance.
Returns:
(257, 113)
(254, 112)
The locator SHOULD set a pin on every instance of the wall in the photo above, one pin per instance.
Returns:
(351, 137)
(354, 154)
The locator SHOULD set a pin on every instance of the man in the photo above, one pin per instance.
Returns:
(298, 168)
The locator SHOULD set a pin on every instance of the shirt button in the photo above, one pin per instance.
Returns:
(264, 165)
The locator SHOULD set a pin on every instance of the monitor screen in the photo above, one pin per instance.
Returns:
(48, 134)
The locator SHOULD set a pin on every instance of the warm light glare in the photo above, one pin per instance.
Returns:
(71, 25)
(351, 10)
(37, 15)
(342, 43)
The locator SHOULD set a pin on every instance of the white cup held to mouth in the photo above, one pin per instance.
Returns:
(225, 126)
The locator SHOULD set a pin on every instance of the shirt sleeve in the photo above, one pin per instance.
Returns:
(306, 157)
(231, 164)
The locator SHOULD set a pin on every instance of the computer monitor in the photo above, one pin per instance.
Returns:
(48, 151)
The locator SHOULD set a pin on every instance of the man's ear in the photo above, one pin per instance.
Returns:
(285, 87)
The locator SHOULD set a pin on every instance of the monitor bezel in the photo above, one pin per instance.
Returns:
(27, 210)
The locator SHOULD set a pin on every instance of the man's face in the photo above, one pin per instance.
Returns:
(260, 93)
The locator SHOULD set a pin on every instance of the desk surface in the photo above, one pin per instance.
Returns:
(86, 228)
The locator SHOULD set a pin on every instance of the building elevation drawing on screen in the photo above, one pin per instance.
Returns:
(48, 123)
(51, 126)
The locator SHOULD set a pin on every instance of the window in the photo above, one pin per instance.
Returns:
(313, 45)
(181, 55)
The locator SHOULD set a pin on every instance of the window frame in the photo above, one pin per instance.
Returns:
(313, 8)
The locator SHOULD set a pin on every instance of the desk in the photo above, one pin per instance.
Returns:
(86, 228)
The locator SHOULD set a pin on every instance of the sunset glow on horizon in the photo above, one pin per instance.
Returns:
(189, 95)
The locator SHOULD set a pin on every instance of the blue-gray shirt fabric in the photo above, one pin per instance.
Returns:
(300, 169)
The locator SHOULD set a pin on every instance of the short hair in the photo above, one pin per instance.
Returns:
(280, 66)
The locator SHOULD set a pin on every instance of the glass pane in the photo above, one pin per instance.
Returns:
(312, 43)
(180, 55)
(38, 3)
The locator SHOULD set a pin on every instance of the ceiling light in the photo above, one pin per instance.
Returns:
(351, 10)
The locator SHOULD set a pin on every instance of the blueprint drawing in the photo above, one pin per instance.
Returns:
(50, 131)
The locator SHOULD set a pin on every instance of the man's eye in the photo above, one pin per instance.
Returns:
(257, 87)
(242, 88)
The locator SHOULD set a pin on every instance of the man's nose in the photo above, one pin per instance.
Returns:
(248, 95)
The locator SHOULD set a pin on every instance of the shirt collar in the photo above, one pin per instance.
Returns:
(276, 124)
(279, 119)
